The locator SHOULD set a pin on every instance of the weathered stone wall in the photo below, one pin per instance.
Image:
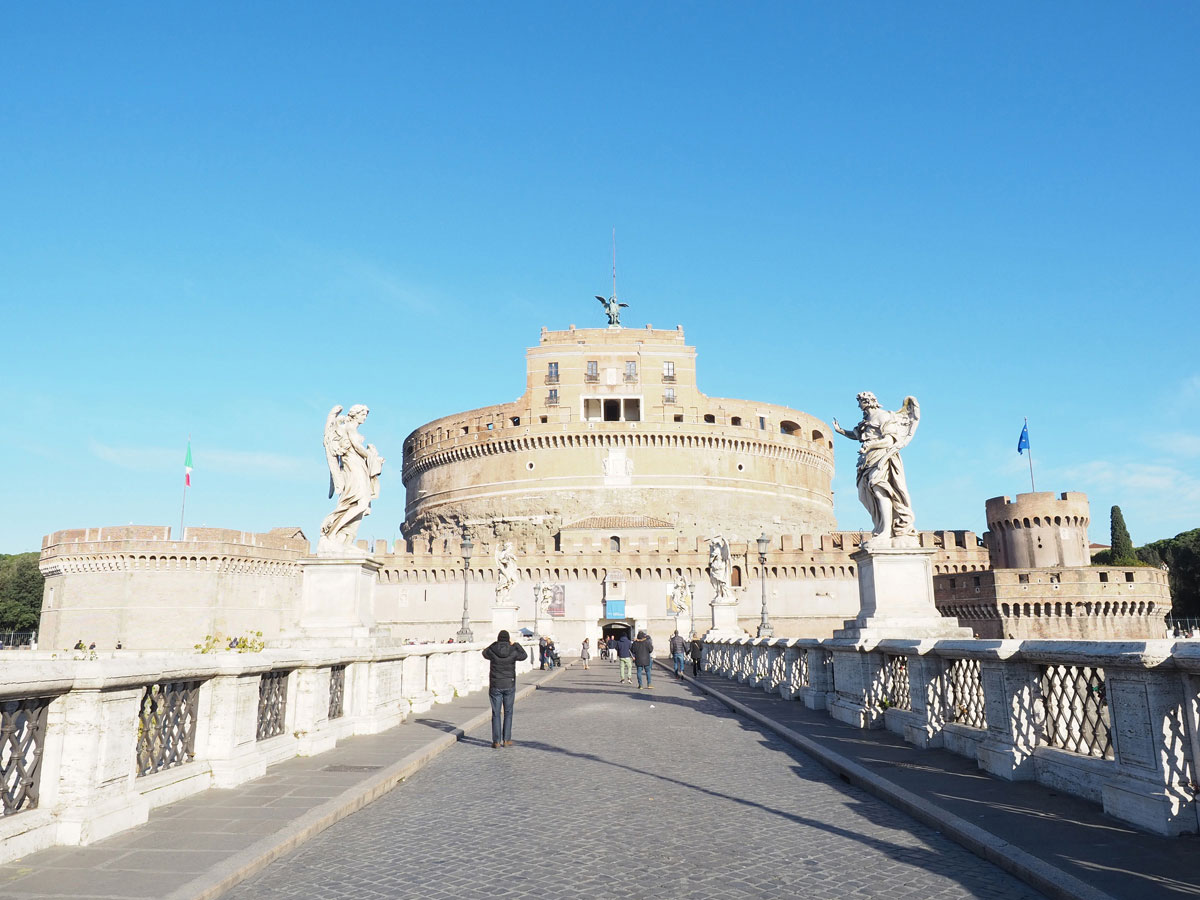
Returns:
(704, 464)
(1038, 530)
(136, 585)
(1069, 603)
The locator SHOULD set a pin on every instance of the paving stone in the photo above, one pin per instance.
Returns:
(610, 793)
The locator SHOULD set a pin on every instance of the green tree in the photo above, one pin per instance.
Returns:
(1122, 543)
(1181, 556)
(20, 591)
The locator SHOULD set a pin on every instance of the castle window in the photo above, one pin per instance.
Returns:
(552, 373)
(1055, 578)
(735, 577)
(762, 423)
(490, 426)
(736, 420)
(614, 544)
(1104, 578)
(466, 429)
(593, 371)
(952, 584)
(668, 395)
(710, 419)
(1129, 576)
(591, 409)
(668, 371)
(632, 408)
(542, 419)
(678, 417)
(976, 579)
(1023, 578)
(631, 370)
(789, 428)
(612, 410)
(552, 397)
(516, 420)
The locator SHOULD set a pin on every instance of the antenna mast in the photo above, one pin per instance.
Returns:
(614, 264)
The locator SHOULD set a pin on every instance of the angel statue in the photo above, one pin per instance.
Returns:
(719, 568)
(612, 308)
(506, 571)
(681, 598)
(881, 487)
(353, 475)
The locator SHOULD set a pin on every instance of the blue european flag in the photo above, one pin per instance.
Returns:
(1023, 442)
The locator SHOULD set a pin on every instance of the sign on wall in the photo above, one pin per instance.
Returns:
(558, 600)
(614, 609)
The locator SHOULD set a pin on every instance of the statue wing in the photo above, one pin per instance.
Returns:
(909, 416)
(725, 552)
(603, 300)
(337, 479)
(622, 304)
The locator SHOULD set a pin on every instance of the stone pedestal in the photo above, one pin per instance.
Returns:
(504, 617)
(895, 592)
(724, 621)
(337, 596)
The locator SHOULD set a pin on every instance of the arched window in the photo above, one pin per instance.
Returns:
(614, 544)
(735, 577)
(788, 427)
(736, 420)
(710, 419)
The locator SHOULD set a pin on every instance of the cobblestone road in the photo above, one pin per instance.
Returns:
(617, 793)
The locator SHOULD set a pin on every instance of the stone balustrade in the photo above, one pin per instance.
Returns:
(89, 746)
(1114, 722)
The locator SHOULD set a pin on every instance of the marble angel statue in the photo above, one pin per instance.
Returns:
(354, 469)
(719, 568)
(506, 571)
(681, 598)
(881, 486)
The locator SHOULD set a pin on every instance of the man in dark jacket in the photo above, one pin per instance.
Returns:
(625, 655)
(678, 647)
(502, 686)
(642, 648)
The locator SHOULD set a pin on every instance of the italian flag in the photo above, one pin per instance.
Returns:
(187, 466)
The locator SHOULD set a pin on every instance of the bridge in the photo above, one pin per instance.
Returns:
(731, 785)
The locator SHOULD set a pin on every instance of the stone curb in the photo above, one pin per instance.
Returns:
(1047, 878)
(261, 853)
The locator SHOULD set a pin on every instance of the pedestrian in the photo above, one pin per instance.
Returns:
(585, 654)
(625, 657)
(602, 648)
(542, 652)
(678, 647)
(552, 653)
(502, 686)
(79, 645)
(641, 650)
(696, 647)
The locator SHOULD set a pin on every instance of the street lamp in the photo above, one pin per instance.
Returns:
(465, 635)
(764, 627)
(691, 608)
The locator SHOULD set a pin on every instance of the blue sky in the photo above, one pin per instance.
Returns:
(221, 221)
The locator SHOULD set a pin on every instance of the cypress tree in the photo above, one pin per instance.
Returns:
(1122, 543)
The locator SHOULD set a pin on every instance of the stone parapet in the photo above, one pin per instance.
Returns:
(1111, 721)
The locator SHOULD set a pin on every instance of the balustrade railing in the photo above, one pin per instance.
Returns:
(22, 743)
(87, 747)
(1116, 722)
(167, 725)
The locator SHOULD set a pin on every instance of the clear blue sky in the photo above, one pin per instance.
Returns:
(222, 219)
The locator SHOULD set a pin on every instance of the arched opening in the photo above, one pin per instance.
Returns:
(735, 420)
(735, 577)
(789, 427)
(614, 544)
(710, 419)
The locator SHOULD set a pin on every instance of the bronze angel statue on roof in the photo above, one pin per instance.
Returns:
(612, 308)
(354, 469)
(881, 486)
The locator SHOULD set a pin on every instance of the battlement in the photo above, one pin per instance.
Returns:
(1038, 529)
(614, 335)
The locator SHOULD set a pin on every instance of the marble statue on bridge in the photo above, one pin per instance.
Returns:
(881, 486)
(506, 572)
(354, 469)
(719, 568)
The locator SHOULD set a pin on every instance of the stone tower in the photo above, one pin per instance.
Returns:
(1038, 531)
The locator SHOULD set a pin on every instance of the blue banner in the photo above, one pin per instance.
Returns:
(614, 609)
(1023, 442)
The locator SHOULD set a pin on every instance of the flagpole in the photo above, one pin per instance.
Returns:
(183, 505)
(1032, 486)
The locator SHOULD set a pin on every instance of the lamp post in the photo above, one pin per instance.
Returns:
(465, 635)
(764, 627)
(691, 608)
(537, 610)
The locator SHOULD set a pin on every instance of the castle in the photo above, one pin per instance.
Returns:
(608, 475)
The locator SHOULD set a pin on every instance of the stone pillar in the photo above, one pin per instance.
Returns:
(895, 594)
(337, 596)
(1007, 751)
(724, 621)
(313, 734)
(818, 694)
(414, 687)
(855, 678)
(924, 729)
(232, 749)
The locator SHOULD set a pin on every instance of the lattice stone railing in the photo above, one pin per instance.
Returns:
(22, 736)
(1116, 722)
(88, 747)
(167, 725)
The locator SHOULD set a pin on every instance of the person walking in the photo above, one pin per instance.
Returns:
(695, 648)
(602, 648)
(625, 657)
(585, 653)
(502, 686)
(678, 648)
(542, 652)
(641, 650)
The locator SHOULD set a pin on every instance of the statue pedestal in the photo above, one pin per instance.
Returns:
(504, 616)
(724, 621)
(895, 593)
(337, 595)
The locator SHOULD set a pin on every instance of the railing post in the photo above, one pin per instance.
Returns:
(856, 673)
(230, 704)
(819, 693)
(1012, 726)
(311, 722)
(414, 690)
(927, 690)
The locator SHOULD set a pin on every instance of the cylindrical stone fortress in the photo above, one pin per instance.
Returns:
(612, 424)
(1038, 530)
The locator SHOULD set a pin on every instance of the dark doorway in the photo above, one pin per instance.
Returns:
(616, 629)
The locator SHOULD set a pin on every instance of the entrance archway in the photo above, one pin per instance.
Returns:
(614, 628)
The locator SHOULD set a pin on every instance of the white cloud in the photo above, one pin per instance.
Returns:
(1153, 481)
